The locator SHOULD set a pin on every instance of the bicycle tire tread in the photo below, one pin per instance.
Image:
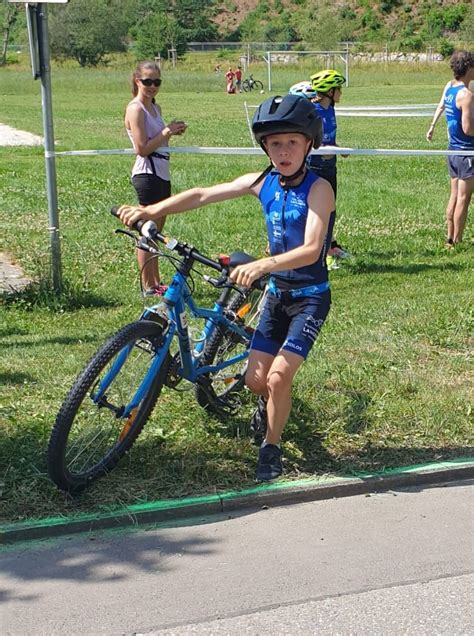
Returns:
(73, 400)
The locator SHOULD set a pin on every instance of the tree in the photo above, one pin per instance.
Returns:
(8, 17)
(87, 31)
(194, 17)
(157, 33)
(318, 25)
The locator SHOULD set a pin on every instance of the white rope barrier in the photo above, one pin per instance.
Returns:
(385, 114)
(341, 109)
(375, 108)
(405, 110)
(327, 150)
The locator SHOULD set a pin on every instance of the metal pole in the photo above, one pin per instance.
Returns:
(46, 102)
(347, 66)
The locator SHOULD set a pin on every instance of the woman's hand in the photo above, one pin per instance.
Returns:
(245, 275)
(130, 214)
(176, 127)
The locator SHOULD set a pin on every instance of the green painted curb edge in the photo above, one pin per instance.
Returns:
(280, 493)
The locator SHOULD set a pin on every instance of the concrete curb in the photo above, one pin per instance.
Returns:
(277, 494)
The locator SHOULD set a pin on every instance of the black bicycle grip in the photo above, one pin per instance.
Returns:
(136, 226)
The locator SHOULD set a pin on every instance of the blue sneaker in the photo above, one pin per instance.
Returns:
(269, 465)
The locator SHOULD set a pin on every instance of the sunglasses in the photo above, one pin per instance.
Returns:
(150, 82)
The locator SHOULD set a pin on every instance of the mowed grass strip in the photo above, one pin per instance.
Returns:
(389, 382)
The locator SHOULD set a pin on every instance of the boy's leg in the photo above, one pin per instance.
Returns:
(279, 384)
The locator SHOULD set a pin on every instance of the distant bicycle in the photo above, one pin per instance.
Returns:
(112, 399)
(250, 84)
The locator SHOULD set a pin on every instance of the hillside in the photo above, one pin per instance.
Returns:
(414, 24)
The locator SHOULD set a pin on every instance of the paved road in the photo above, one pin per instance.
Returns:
(393, 563)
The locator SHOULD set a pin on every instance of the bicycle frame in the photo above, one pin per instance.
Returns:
(177, 298)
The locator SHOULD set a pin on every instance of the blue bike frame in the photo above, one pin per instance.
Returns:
(176, 299)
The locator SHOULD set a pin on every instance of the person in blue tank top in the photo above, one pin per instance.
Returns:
(458, 106)
(298, 207)
(327, 87)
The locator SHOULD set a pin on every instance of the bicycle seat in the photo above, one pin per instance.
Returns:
(240, 258)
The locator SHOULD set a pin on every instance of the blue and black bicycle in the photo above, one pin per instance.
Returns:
(113, 397)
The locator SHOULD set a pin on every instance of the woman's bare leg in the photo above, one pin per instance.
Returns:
(150, 274)
(451, 207)
(463, 199)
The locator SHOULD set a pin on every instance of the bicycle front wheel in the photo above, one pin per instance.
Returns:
(218, 392)
(246, 86)
(92, 431)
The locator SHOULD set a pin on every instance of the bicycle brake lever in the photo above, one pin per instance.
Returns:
(127, 233)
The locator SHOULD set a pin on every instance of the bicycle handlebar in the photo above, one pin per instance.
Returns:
(148, 230)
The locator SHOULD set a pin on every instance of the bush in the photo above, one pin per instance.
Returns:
(412, 43)
(87, 31)
(446, 48)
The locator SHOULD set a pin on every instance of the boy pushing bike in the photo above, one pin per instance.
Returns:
(298, 207)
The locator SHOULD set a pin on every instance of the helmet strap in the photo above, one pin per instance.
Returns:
(286, 182)
(262, 175)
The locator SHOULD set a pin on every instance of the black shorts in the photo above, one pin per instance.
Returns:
(150, 188)
(460, 167)
(292, 325)
(328, 172)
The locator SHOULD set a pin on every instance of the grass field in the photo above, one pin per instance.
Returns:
(389, 382)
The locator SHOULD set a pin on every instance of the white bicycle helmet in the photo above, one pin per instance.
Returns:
(303, 89)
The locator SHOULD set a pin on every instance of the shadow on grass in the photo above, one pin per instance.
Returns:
(34, 341)
(41, 294)
(12, 331)
(15, 378)
(383, 267)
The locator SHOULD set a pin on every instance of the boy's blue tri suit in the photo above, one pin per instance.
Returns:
(299, 299)
(320, 162)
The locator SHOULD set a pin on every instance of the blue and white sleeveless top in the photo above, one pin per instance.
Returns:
(328, 117)
(458, 140)
(286, 211)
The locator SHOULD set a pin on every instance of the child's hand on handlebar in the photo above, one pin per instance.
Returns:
(130, 214)
(245, 275)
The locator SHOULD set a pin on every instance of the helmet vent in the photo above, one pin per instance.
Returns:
(276, 102)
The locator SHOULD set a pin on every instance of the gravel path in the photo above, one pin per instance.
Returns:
(12, 277)
(12, 137)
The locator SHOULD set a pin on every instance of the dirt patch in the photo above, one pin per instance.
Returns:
(12, 277)
(12, 137)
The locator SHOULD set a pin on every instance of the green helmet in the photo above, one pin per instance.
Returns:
(323, 81)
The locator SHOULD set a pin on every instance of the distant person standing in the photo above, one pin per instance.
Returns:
(229, 78)
(327, 85)
(150, 174)
(238, 79)
(458, 105)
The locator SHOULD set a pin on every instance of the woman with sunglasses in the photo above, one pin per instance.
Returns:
(150, 174)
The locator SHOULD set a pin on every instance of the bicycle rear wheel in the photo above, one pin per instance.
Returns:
(258, 85)
(91, 434)
(218, 392)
